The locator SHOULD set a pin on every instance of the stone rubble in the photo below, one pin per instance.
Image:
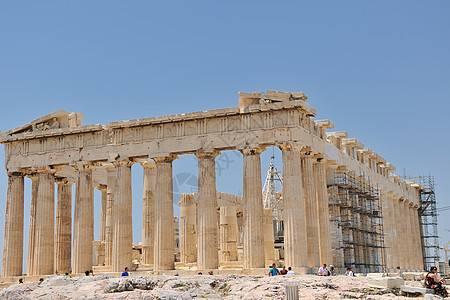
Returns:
(200, 286)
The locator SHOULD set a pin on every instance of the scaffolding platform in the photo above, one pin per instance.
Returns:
(356, 210)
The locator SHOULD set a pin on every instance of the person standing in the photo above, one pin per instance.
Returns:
(290, 272)
(349, 272)
(274, 271)
(283, 271)
(125, 273)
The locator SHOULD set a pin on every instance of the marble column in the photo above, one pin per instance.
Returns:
(188, 231)
(228, 234)
(398, 206)
(253, 210)
(323, 217)
(407, 240)
(63, 228)
(393, 230)
(13, 242)
(102, 236)
(164, 252)
(386, 229)
(269, 239)
(83, 232)
(110, 186)
(32, 228)
(207, 231)
(413, 250)
(311, 212)
(45, 225)
(122, 218)
(416, 220)
(148, 212)
(295, 247)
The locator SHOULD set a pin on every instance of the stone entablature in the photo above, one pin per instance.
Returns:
(275, 119)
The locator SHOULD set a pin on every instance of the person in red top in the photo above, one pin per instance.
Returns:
(283, 271)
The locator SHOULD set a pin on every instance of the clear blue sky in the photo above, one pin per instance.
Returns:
(380, 70)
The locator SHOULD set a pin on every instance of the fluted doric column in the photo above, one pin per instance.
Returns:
(32, 227)
(207, 231)
(13, 242)
(416, 221)
(102, 188)
(164, 252)
(123, 220)
(393, 229)
(323, 217)
(63, 228)
(253, 210)
(45, 224)
(188, 229)
(110, 187)
(311, 211)
(407, 237)
(148, 212)
(387, 229)
(228, 233)
(83, 233)
(269, 238)
(400, 228)
(295, 247)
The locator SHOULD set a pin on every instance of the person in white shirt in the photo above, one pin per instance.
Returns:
(323, 271)
(349, 272)
(290, 272)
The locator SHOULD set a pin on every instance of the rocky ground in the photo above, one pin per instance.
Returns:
(200, 286)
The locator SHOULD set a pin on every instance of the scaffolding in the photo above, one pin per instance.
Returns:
(270, 199)
(428, 217)
(356, 210)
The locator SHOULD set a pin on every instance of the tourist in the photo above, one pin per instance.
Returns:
(86, 273)
(125, 273)
(199, 273)
(20, 280)
(67, 275)
(323, 271)
(41, 280)
(433, 282)
(91, 273)
(331, 270)
(210, 273)
(283, 271)
(400, 273)
(290, 272)
(349, 272)
(274, 271)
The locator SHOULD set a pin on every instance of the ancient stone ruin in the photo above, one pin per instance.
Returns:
(341, 203)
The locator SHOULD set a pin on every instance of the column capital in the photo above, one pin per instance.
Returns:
(45, 170)
(205, 154)
(101, 187)
(33, 176)
(319, 158)
(165, 159)
(252, 150)
(290, 146)
(147, 164)
(63, 181)
(126, 162)
(84, 165)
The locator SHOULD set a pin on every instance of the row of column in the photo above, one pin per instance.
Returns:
(304, 189)
(402, 233)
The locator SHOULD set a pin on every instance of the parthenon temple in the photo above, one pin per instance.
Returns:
(340, 202)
